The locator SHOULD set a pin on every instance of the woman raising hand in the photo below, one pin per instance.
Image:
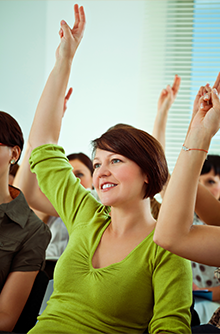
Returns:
(112, 277)
(198, 243)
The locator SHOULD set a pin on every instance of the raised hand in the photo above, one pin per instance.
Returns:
(204, 91)
(165, 101)
(168, 96)
(52, 104)
(207, 118)
(71, 38)
(67, 97)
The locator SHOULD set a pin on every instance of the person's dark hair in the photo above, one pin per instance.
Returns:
(83, 158)
(10, 134)
(212, 162)
(14, 169)
(140, 147)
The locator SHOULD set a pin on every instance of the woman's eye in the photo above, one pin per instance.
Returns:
(95, 166)
(211, 182)
(115, 161)
(79, 175)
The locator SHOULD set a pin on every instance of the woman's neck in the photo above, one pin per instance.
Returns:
(5, 196)
(125, 219)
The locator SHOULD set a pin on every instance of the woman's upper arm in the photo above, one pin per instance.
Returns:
(62, 188)
(13, 297)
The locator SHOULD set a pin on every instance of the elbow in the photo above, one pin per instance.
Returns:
(164, 241)
(7, 322)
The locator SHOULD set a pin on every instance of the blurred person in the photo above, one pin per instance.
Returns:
(23, 238)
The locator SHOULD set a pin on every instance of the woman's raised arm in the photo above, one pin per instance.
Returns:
(48, 117)
(165, 101)
(174, 230)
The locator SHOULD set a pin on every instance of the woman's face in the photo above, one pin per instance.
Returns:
(117, 179)
(82, 172)
(211, 182)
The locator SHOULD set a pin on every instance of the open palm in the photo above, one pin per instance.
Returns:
(71, 38)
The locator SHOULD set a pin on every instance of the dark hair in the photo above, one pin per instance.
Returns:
(14, 169)
(212, 162)
(140, 147)
(10, 133)
(83, 158)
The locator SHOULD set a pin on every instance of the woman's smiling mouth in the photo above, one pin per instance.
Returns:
(108, 185)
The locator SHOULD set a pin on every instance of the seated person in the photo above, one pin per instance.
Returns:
(203, 276)
(12, 172)
(82, 169)
(23, 238)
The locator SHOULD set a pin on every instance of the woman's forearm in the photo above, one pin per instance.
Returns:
(27, 182)
(176, 213)
(48, 117)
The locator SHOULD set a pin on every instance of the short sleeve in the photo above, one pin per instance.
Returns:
(31, 255)
(56, 180)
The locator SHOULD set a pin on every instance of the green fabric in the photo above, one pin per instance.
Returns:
(150, 288)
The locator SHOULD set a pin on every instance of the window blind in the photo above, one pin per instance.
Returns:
(182, 37)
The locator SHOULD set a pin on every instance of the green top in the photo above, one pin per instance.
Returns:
(149, 288)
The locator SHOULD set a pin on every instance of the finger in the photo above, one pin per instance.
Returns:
(207, 89)
(207, 96)
(76, 15)
(82, 15)
(176, 84)
(215, 97)
(169, 89)
(68, 94)
(204, 104)
(202, 90)
(217, 83)
(64, 28)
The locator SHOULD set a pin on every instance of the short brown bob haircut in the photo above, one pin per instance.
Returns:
(10, 131)
(140, 147)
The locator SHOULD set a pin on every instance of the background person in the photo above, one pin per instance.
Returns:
(199, 243)
(23, 238)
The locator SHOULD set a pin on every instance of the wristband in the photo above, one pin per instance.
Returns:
(193, 149)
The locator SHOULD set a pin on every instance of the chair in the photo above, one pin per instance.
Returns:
(49, 266)
(47, 295)
(29, 315)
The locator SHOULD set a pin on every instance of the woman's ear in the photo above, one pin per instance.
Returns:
(146, 179)
(15, 154)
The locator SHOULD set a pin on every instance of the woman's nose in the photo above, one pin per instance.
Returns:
(216, 191)
(103, 171)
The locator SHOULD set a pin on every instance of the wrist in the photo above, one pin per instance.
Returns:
(197, 139)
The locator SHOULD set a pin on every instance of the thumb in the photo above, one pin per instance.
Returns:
(64, 29)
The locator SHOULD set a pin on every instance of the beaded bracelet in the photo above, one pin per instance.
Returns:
(193, 149)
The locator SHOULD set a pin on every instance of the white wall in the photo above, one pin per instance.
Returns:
(22, 58)
(106, 74)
